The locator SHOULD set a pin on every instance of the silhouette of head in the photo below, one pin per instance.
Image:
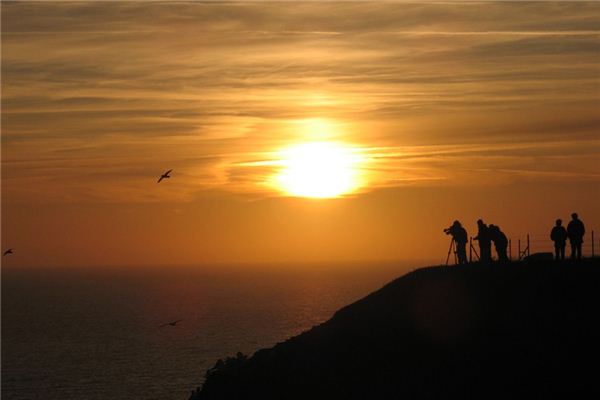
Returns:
(456, 223)
(480, 222)
(559, 222)
(574, 216)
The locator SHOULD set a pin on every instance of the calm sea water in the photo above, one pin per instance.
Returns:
(91, 334)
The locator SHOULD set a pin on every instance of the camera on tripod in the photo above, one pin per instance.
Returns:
(458, 242)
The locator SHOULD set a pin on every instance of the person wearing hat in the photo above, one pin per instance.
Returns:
(559, 237)
(459, 235)
(575, 231)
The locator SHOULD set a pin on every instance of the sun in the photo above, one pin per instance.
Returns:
(319, 170)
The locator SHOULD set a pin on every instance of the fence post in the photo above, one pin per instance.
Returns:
(519, 254)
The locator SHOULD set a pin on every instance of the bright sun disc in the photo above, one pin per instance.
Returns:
(319, 170)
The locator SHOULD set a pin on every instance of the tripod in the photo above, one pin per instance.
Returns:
(451, 249)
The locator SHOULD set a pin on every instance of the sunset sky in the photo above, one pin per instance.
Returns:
(444, 111)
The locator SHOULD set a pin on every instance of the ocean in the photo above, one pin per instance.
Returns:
(95, 334)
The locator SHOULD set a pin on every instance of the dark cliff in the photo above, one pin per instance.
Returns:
(523, 329)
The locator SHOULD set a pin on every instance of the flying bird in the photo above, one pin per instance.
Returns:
(165, 175)
(170, 323)
(7, 252)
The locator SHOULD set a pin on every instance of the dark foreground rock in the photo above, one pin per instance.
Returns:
(478, 332)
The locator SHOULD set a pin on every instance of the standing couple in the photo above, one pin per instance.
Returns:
(574, 232)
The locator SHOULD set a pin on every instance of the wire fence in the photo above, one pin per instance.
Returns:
(531, 243)
(521, 246)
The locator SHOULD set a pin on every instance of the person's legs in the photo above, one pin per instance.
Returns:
(562, 251)
(556, 252)
(579, 251)
(573, 250)
(502, 255)
(486, 254)
(461, 252)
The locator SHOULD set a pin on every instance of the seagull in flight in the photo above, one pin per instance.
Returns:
(170, 323)
(165, 175)
(7, 252)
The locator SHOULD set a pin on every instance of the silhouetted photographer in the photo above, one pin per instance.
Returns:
(459, 235)
(485, 242)
(500, 242)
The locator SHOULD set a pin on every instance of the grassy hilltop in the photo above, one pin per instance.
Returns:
(523, 329)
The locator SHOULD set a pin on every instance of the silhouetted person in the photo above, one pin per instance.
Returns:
(575, 231)
(500, 242)
(485, 242)
(559, 237)
(459, 235)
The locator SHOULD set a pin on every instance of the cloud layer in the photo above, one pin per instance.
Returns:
(98, 98)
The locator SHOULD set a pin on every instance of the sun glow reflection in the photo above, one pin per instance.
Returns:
(319, 170)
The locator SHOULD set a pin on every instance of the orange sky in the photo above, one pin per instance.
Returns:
(460, 110)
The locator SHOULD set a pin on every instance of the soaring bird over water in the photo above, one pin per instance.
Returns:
(171, 323)
(7, 252)
(165, 175)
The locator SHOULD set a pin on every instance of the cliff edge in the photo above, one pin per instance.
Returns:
(521, 329)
